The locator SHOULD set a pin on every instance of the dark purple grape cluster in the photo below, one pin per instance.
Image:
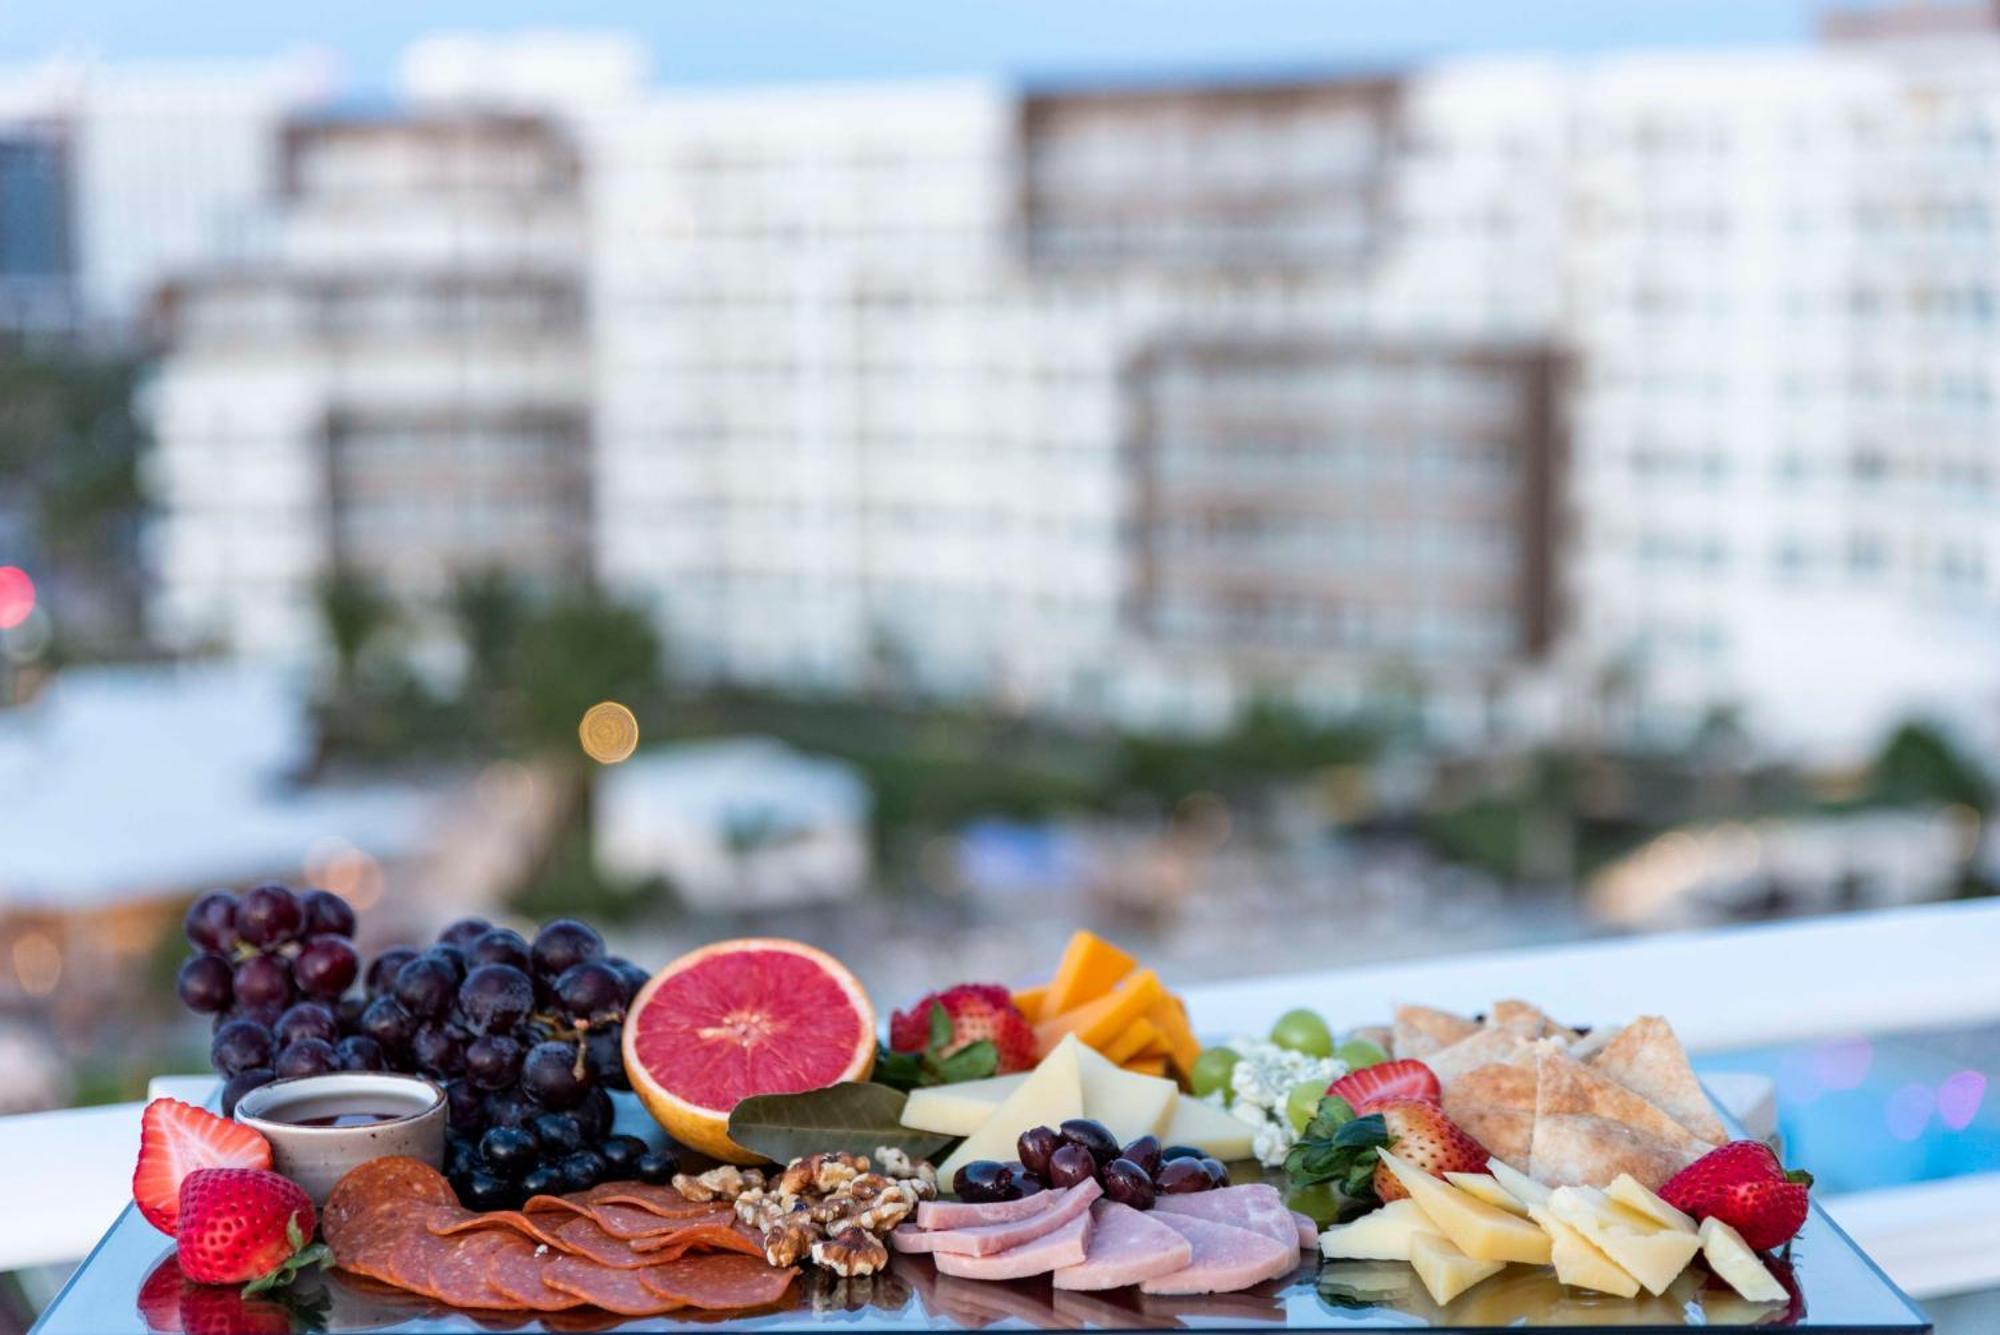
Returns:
(1080, 1149)
(525, 1037)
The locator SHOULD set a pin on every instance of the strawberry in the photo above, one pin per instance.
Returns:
(1744, 1186)
(245, 1226)
(1423, 1137)
(972, 1013)
(1338, 1146)
(160, 1296)
(1370, 1085)
(177, 1138)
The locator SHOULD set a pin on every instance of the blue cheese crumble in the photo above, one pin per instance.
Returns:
(1264, 1075)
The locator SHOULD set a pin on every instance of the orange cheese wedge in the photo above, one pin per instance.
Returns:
(1169, 1019)
(1136, 1041)
(1090, 967)
(1147, 1066)
(1029, 1002)
(1098, 1022)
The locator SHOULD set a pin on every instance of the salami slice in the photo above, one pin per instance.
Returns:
(526, 1225)
(662, 1201)
(629, 1221)
(458, 1273)
(620, 1291)
(520, 1278)
(582, 1237)
(699, 1236)
(719, 1283)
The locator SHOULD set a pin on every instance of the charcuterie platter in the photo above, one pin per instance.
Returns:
(501, 1132)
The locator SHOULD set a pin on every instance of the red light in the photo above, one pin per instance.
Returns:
(17, 596)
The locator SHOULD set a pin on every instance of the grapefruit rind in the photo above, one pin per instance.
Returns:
(707, 1129)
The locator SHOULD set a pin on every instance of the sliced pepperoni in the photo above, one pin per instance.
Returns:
(629, 1221)
(662, 1201)
(459, 1274)
(526, 1225)
(582, 1237)
(700, 1237)
(620, 1291)
(520, 1278)
(719, 1283)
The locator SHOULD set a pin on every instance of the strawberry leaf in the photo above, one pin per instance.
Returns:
(303, 1259)
(1338, 1147)
(940, 1028)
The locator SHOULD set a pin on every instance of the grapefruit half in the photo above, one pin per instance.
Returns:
(754, 1016)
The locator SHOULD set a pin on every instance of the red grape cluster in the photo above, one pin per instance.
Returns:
(524, 1037)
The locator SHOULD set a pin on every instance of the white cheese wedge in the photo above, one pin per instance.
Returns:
(1210, 1129)
(1483, 1232)
(1052, 1093)
(958, 1110)
(1729, 1256)
(1482, 1186)
(1129, 1104)
(1445, 1270)
(1651, 1253)
(1578, 1261)
(1633, 1194)
(1380, 1235)
(1518, 1184)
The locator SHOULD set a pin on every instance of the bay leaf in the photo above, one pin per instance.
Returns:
(858, 1117)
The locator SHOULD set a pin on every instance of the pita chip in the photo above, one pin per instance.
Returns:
(1649, 1060)
(1495, 1105)
(1484, 1048)
(1421, 1030)
(1589, 1129)
(1519, 1017)
(1594, 1042)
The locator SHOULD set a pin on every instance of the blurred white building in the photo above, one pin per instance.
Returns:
(873, 397)
(741, 823)
(399, 386)
(114, 176)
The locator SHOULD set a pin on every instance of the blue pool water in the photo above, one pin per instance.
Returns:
(1870, 1111)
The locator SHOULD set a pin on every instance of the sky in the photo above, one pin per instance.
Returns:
(731, 41)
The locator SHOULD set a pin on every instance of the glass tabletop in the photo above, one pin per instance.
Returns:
(130, 1284)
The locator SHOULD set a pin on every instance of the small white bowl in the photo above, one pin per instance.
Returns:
(316, 1157)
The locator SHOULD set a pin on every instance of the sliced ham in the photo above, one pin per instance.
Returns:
(910, 1238)
(970, 1214)
(1308, 1231)
(1257, 1207)
(992, 1239)
(1226, 1258)
(1066, 1246)
(1126, 1246)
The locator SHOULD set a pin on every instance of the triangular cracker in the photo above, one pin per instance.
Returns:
(1589, 1045)
(1495, 1105)
(1529, 1021)
(1589, 1129)
(1422, 1030)
(1648, 1059)
(1484, 1048)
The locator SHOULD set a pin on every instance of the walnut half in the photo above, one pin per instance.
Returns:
(719, 1184)
(790, 1240)
(851, 1252)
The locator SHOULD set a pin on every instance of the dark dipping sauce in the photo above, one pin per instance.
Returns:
(337, 1119)
(356, 1108)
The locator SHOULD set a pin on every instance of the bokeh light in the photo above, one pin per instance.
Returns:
(1844, 1062)
(1959, 1097)
(38, 963)
(609, 732)
(17, 596)
(347, 871)
(1909, 1111)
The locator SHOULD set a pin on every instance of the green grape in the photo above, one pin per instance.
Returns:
(1303, 1031)
(1302, 1101)
(1359, 1052)
(1319, 1202)
(1212, 1070)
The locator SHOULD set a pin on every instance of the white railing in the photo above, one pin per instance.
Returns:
(1908, 969)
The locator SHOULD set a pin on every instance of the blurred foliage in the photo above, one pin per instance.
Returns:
(69, 466)
(574, 651)
(1269, 740)
(1918, 765)
(570, 882)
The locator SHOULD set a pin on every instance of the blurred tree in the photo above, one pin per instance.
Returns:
(489, 608)
(69, 450)
(355, 614)
(575, 651)
(1919, 764)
